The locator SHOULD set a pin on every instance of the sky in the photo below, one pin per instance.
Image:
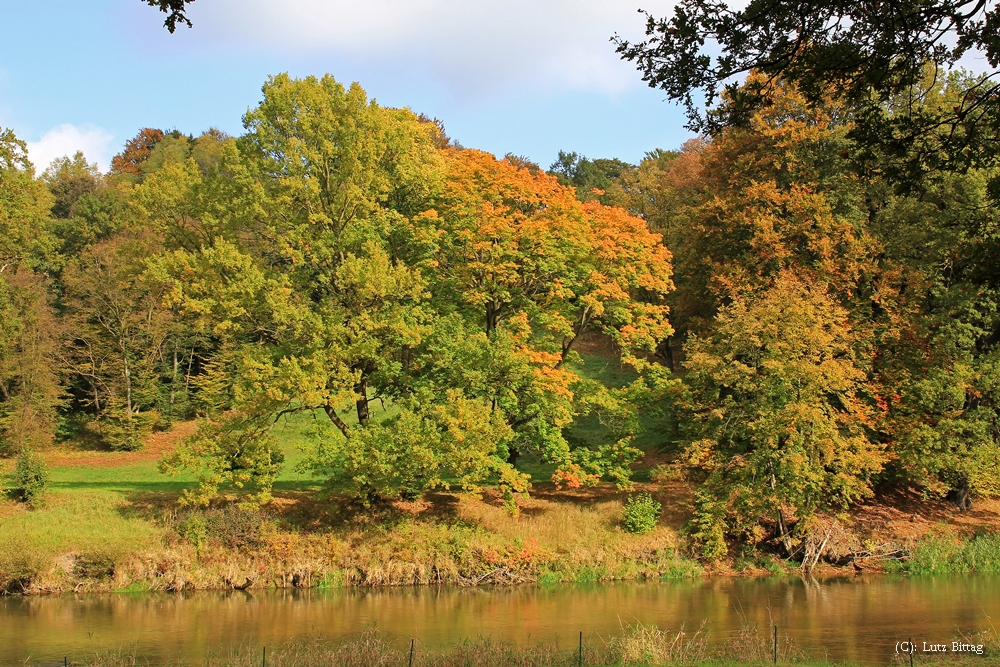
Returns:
(529, 77)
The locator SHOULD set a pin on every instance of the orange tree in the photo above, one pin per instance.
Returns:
(781, 298)
(521, 270)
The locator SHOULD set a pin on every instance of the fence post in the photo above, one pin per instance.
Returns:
(911, 651)
(411, 651)
(263, 660)
(776, 644)
(581, 648)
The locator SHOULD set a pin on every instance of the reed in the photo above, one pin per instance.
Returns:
(940, 554)
(638, 645)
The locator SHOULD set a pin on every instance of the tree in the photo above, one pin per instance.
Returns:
(530, 270)
(591, 178)
(136, 151)
(936, 370)
(780, 423)
(295, 265)
(175, 11)
(879, 58)
(29, 333)
(30, 363)
(25, 236)
(739, 208)
(119, 329)
(68, 180)
(856, 48)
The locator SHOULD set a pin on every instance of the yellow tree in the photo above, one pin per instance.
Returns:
(781, 421)
(29, 333)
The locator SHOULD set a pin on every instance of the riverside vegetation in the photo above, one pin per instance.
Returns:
(371, 355)
(637, 646)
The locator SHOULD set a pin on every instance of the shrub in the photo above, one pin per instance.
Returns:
(641, 513)
(30, 478)
(237, 527)
(98, 564)
(194, 529)
(125, 431)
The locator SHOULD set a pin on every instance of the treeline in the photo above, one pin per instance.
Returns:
(830, 326)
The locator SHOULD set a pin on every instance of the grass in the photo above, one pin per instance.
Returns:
(119, 511)
(81, 533)
(940, 554)
(656, 431)
(638, 646)
(292, 432)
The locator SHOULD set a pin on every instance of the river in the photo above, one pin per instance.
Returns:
(857, 619)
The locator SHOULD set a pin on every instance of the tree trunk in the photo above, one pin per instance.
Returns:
(362, 390)
(786, 540)
(492, 316)
(666, 352)
(512, 455)
(187, 376)
(960, 494)
(173, 383)
(128, 388)
(331, 412)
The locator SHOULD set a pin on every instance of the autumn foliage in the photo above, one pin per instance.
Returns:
(799, 328)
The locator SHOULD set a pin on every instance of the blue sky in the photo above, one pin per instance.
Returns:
(524, 76)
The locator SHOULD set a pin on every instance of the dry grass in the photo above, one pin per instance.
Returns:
(154, 448)
(648, 645)
(639, 645)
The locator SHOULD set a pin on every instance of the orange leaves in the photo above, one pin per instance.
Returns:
(513, 240)
(136, 150)
(573, 476)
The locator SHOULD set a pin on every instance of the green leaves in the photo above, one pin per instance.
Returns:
(433, 442)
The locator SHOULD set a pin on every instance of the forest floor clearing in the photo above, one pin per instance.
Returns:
(111, 521)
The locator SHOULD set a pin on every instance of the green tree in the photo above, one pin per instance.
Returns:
(591, 178)
(119, 330)
(25, 235)
(297, 266)
(30, 478)
(68, 180)
(937, 369)
(29, 333)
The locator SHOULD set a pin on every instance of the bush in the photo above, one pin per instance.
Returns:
(126, 431)
(952, 555)
(30, 478)
(641, 513)
(194, 529)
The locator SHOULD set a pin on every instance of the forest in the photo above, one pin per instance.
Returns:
(806, 316)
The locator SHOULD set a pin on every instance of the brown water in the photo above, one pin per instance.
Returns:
(850, 619)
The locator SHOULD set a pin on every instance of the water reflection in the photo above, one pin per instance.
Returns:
(853, 619)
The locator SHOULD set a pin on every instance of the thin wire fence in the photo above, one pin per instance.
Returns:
(638, 645)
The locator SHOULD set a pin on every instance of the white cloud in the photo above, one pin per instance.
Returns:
(66, 140)
(471, 47)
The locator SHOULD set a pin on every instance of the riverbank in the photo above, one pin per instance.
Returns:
(111, 522)
(99, 540)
